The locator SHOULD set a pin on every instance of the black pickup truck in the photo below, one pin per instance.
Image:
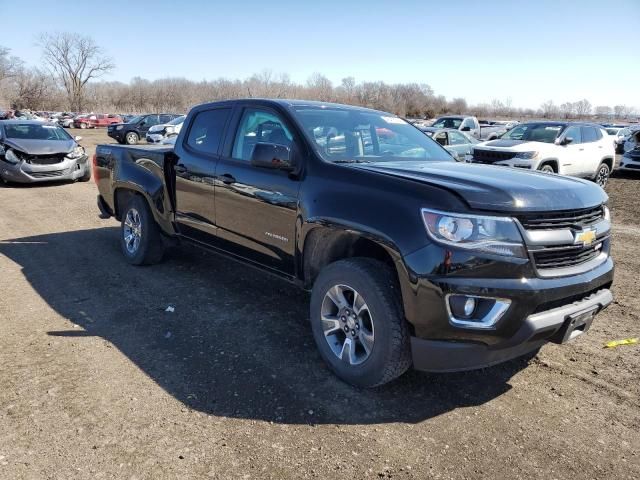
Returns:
(410, 257)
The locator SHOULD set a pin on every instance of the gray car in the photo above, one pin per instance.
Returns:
(453, 140)
(32, 151)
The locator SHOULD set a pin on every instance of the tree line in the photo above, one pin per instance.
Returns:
(73, 65)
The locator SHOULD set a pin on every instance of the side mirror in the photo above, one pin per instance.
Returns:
(564, 141)
(77, 138)
(270, 155)
(465, 129)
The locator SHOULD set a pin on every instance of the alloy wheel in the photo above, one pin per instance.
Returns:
(132, 231)
(603, 176)
(347, 324)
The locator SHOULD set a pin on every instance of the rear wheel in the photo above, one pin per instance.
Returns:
(83, 126)
(358, 322)
(131, 138)
(87, 173)
(140, 237)
(602, 177)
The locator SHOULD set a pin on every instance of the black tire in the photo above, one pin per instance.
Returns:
(83, 126)
(602, 175)
(547, 168)
(150, 247)
(131, 138)
(376, 283)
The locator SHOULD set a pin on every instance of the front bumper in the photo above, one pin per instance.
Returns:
(629, 163)
(429, 275)
(154, 137)
(116, 134)
(24, 172)
(557, 325)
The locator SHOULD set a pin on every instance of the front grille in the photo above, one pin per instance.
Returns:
(562, 257)
(51, 174)
(574, 219)
(630, 165)
(491, 156)
(45, 159)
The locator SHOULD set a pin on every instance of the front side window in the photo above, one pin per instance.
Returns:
(575, 134)
(468, 123)
(344, 135)
(457, 138)
(207, 128)
(259, 126)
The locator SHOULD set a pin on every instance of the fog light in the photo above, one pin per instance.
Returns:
(469, 306)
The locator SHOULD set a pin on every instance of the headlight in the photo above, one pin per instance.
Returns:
(607, 213)
(170, 130)
(526, 155)
(76, 152)
(119, 127)
(11, 157)
(494, 235)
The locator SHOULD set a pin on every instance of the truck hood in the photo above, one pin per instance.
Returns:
(515, 145)
(40, 147)
(496, 188)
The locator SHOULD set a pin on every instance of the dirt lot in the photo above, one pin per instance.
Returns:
(98, 381)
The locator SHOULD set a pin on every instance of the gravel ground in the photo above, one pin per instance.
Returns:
(99, 381)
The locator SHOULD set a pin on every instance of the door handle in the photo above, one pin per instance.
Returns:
(180, 169)
(581, 149)
(227, 179)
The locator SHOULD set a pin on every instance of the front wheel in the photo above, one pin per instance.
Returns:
(358, 322)
(131, 138)
(602, 177)
(83, 126)
(140, 237)
(547, 168)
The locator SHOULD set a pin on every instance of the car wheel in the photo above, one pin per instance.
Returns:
(358, 322)
(131, 138)
(140, 237)
(602, 177)
(87, 173)
(83, 126)
(547, 168)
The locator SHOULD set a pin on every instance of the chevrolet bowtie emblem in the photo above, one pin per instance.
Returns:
(586, 237)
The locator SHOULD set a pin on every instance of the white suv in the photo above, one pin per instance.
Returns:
(577, 149)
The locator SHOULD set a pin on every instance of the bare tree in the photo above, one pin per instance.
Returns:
(9, 65)
(583, 108)
(603, 111)
(549, 109)
(74, 59)
(618, 111)
(33, 89)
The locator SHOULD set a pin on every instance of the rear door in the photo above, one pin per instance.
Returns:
(198, 154)
(593, 150)
(256, 208)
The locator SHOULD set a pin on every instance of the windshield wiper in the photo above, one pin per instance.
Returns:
(351, 161)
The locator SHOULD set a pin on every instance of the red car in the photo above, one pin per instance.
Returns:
(96, 120)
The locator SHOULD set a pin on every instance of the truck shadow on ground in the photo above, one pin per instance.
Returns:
(238, 343)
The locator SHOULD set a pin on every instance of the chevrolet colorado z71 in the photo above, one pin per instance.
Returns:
(410, 257)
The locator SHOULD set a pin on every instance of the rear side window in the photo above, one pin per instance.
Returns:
(205, 134)
(589, 134)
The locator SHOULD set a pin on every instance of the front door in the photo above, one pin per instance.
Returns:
(195, 174)
(573, 153)
(256, 208)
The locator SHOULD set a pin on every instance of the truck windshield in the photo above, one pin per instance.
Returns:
(355, 136)
(30, 131)
(535, 132)
(448, 122)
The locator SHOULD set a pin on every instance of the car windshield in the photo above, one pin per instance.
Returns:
(135, 119)
(29, 131)
(613, 131)
(177, 121)
(448, 122)
(535, 132)
(356, 136)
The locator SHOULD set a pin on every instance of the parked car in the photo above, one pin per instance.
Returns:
(132, 131)
(459, 143)
(632, 141)
(471, 126)
(32, 151)
(411, 257)
(96, 120)
(620, 135)
(157, 133)
(576, 149)
(630, 161)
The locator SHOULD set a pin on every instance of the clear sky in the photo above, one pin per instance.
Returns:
(528, 50)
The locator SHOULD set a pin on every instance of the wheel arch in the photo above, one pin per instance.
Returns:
(550, 161)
